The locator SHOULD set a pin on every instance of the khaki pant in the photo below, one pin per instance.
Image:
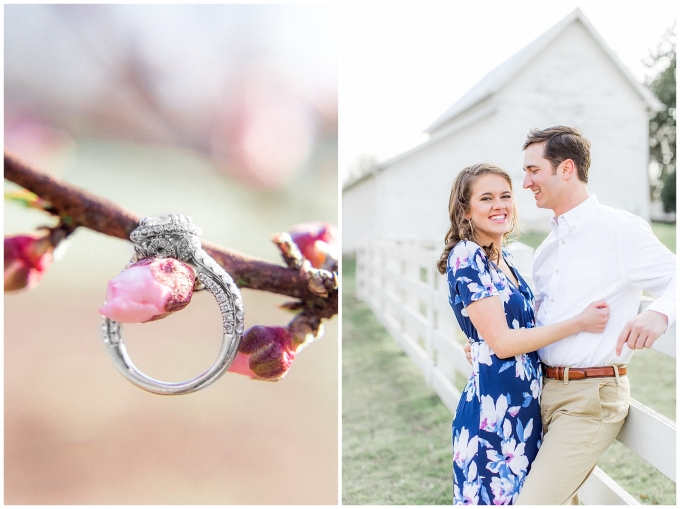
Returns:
(580, 421)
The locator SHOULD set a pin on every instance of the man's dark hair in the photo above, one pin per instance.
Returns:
(563, 143)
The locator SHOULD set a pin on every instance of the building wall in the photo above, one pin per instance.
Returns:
(413, 193)
(358, 214)
(571, 82)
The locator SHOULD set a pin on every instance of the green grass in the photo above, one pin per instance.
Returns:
(664, 231)
(533, 239)
(666, 234)
(396, 445)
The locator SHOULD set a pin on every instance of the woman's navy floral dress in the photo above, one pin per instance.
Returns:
(497, 428)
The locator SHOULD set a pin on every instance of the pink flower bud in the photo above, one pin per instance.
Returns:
(149, 290)
(27, 258)
(318, 242)
(265, 353)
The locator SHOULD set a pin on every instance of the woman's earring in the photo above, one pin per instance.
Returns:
(472, 230)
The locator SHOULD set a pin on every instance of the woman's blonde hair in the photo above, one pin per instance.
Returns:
(459, 205)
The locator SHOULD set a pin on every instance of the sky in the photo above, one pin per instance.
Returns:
(403, 64)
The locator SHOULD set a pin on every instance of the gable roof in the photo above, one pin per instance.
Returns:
(502, 74)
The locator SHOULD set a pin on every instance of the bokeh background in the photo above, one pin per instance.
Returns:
(225, 113)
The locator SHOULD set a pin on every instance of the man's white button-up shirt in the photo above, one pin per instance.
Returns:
(596, 252)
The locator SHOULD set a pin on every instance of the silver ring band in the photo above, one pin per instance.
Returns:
(177, 237)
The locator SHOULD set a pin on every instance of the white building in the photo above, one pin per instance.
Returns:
(568, 76)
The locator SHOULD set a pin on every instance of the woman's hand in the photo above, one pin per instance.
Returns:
(488, 317)
(594, 318)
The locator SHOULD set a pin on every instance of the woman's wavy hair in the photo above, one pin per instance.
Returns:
(459, 205)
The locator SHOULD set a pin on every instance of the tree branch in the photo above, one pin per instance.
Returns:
(78, 207)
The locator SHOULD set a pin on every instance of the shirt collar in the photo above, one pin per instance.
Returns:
(578, 215)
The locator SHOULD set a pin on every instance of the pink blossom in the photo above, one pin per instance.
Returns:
(318, 242)
(265, 353)
(27, 258)
(264, 132)
(148, 290)
(37, 142)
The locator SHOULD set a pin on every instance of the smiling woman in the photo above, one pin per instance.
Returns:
(410, 67)
(482, 191)
(494, 306)
(491, 209)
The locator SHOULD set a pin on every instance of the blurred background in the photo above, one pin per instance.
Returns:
(226, 113)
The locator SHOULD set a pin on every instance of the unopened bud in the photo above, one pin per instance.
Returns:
(265, 353)
(319, 243)
(27, 258)
(149, 290)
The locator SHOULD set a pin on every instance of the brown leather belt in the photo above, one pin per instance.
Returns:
(557, 373)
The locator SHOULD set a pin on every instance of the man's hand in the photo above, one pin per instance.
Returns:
(468, 351)
(642, 331)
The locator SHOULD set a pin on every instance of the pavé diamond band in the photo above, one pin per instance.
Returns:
(176, 236)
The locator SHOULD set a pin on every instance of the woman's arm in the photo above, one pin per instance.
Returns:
(488, 317)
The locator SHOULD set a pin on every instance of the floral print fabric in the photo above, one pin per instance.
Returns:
(497, 428)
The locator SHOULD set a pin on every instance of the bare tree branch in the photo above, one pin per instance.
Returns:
(77, 207)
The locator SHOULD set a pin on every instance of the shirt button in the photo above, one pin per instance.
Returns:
(564, 242)
(557, 270)
(552, 300)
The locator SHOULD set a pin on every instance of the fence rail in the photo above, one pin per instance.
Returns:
(399, 281)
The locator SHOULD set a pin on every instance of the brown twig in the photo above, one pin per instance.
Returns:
(78, 207)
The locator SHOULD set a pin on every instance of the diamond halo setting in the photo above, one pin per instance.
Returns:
(176, 236)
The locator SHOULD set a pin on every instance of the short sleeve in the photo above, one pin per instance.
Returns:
(468, 273)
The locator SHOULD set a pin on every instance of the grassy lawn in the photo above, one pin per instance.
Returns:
(664, 231)
(666, 234)
(396, 431)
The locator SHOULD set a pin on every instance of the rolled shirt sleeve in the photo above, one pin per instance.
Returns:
(649, 265)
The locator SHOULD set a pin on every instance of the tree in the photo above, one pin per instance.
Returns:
(362, 165)
(661, 81)
(668, 193)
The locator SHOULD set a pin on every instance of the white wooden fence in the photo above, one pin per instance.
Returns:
(400, 283)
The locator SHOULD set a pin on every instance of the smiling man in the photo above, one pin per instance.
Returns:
(593, 252)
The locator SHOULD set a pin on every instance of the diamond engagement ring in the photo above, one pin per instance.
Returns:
(176, 236)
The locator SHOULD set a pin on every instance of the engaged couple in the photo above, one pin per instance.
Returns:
(548, 392)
